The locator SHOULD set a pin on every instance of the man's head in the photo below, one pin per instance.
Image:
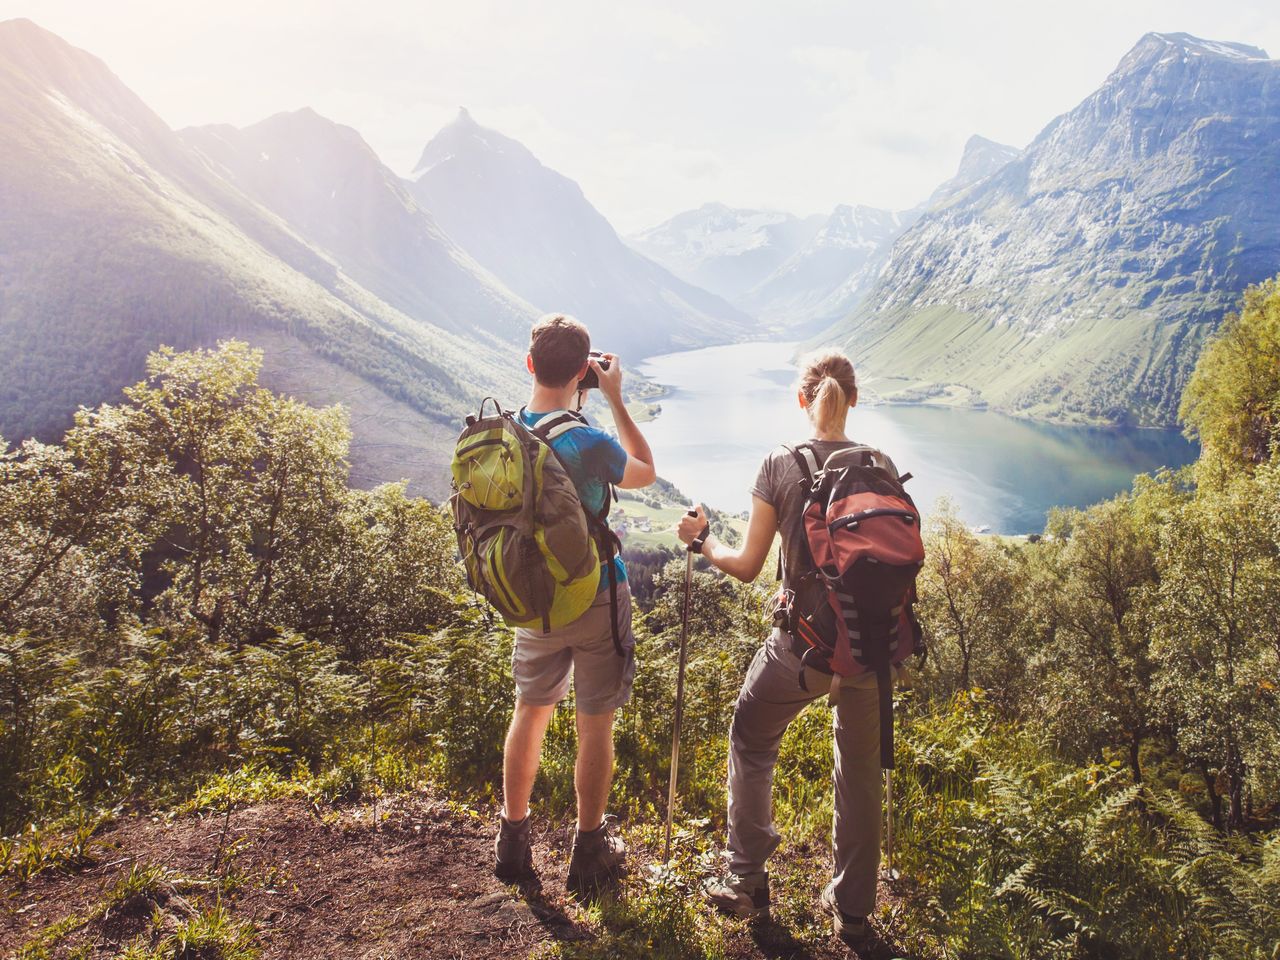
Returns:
(558, 348)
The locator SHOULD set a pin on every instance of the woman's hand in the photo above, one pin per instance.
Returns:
(743, 562)
(691, 526)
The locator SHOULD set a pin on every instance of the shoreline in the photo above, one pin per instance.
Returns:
(943, 396)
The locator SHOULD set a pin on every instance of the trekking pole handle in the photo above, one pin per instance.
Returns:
(701, 538)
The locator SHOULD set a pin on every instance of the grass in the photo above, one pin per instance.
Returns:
(53, 847)
(1086, 377)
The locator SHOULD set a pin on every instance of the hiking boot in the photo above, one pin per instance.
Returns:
(512, 850)
(598, 859)
(740, 896)
(852, 930)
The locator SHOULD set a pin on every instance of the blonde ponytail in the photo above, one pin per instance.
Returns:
(829, 404)
(828, 384)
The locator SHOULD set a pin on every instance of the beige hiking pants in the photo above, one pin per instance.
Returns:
(771, 698)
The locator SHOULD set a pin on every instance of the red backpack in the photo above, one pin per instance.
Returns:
(852, 613)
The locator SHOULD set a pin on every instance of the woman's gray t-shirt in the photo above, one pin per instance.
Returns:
(781, 484)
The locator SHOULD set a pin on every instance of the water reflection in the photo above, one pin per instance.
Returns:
(729, 406)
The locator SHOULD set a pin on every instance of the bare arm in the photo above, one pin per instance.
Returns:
(746, 561)
(639, 471)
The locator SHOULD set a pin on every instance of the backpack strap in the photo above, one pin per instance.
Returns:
(807, 459)
(875, 457)
(556, 423)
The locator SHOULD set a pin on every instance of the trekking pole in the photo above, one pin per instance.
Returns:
(888, 802)
(675, 734)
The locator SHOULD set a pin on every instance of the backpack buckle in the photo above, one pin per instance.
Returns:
(783, 606)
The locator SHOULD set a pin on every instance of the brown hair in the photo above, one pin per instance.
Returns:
(559, 346)
(828, 384)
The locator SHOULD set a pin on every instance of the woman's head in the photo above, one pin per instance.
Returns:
(828, 388)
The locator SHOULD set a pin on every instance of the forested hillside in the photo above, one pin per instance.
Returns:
(206, 633)
(116, 237)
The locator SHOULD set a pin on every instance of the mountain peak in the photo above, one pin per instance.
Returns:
(307, 130)
(39, 50)
(21, 26)
(1160, 53)
(1198, 46)
(982, 157)
(463, 137)
(979, 159)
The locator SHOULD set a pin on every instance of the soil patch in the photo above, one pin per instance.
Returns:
(328, 884)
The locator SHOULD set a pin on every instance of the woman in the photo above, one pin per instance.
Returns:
(773, 693)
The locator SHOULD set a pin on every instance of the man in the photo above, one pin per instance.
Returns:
(542, 662)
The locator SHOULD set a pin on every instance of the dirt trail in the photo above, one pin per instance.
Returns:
(327, 885)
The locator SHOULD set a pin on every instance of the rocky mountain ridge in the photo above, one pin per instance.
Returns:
(724, 249)
(824, 279)
(1078, 281)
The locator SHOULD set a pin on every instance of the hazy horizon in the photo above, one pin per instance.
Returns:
(652, 111)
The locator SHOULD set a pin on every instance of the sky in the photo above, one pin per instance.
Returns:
(653, 107)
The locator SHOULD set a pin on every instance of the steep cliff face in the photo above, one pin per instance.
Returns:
(1079, 280)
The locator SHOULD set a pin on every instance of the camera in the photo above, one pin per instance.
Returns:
(591, 381)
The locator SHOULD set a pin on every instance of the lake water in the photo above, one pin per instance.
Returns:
(729, 406)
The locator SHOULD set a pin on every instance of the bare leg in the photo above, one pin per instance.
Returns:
(520, 757)
(593, 773)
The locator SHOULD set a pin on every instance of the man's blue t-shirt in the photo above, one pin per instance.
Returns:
(594, 460)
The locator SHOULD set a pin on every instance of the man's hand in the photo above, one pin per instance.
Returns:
(690, 526)
(610, 379)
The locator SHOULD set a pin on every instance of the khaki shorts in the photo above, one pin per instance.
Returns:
(542, 662)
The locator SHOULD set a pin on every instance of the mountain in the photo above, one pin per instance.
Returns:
(1078, 281)
(980, 159)
(534, 229)
(823, 280)
(725, 250)
(329, 185)
(116, 236)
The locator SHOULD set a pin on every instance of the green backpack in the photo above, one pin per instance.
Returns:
(528, 544)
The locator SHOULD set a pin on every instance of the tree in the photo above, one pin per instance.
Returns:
(389, 569)
(1215, 620)
(1095, 667)
(1232, 401)
(244, 485)
(971, 610)
(69, 537)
